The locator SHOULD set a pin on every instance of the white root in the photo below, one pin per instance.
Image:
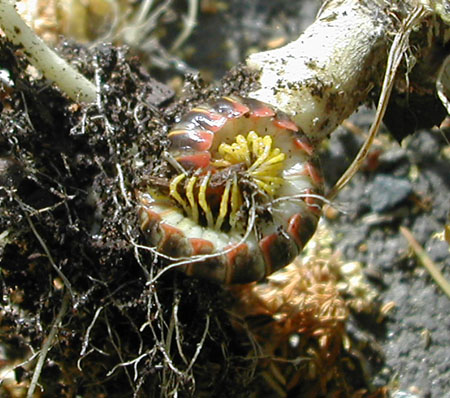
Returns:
(322, 77)
(47, 346)
(54, 68)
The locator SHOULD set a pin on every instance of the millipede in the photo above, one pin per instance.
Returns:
(243, 195)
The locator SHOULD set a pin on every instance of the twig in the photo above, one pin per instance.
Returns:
(178, 338)
(322, 77)
(199, 345)
(123, 190)
(426, 261)
(54, 68)
(47, 345)
(133, 362)
(118, 351)
(49, 256)
(85, 343)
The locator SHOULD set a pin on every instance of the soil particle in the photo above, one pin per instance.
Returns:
(395, 162)
(416, 342)
(386, 192)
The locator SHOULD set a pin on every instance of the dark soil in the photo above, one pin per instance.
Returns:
(415, 338)
(68, 218)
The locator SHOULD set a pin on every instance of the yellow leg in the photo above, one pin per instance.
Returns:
(261, 148)
(245, 153)
(221, 163)
(202, 200)
(223, 210)
(264, 165)
(265, 187)
(275, 157)
(268, 179)
(235, 202)
(174, 191)
(237, 152)
(191, 198)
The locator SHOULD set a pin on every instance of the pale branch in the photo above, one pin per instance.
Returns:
(54, 68)
(323, 76)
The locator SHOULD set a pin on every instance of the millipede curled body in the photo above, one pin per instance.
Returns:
(243, 194)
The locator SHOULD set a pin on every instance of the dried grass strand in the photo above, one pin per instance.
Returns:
(48, 344)
(396, 55)
(426, 261)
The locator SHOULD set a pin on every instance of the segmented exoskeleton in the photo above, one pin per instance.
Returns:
(244, 197)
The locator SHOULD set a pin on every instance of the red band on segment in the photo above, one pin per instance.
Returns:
(201, 246)
(312, 171)
(285, 124)
(235, 256)
(149, 220)
(150, 214)
(258, 108)
(294, 228)
(198, 140)
(304, 145)
(172, 241)
(266, 244)
(170, 230)
(235, 251)
(204, 119)
(199, 160)
(312, 202)
(230, 108)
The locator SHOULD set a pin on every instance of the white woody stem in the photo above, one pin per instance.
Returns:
(54, 68)
(320, 78)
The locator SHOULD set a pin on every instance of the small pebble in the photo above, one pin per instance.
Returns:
(387, 192)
